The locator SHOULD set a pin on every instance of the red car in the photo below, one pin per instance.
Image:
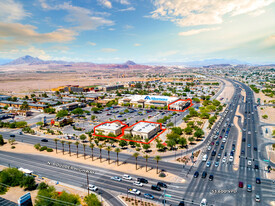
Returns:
(220, 137)
(240, 184)
(212, 143)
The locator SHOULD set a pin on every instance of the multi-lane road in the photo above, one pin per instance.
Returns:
(223, 190)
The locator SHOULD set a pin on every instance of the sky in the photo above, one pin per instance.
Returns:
(114, 31)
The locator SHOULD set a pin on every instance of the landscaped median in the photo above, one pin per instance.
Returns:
(239, 144)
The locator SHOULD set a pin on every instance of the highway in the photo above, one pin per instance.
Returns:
(223, 190)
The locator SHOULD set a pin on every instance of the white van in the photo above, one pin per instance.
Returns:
(203, 202)
(204, 158)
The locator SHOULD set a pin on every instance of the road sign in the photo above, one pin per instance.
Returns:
(168, 195)
(266, 160)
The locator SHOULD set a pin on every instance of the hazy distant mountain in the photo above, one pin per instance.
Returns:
(130, 63)
(201, 63)
(34, 61)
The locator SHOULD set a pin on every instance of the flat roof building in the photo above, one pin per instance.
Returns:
(145, 130)
(106, 128)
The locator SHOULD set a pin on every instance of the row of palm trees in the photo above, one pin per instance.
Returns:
(100, 146)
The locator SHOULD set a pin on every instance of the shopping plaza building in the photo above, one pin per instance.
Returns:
(147, 100)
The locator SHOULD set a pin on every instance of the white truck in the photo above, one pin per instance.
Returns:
(204, 158)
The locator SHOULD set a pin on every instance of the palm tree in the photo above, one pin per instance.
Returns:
(62, 142)
(92, 148)
(157, 158)
(56, 140)
(69, 143)
(136, 156)
(117, 150)
(77, 143)
(109, 149)
(84, 146)
(146, 157)
(100, 146)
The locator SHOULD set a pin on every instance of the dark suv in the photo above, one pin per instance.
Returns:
(196, 174)
(142, 180)
(162, 184)
(155, 187)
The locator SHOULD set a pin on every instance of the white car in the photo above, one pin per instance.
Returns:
(249, 162)
(92, 188)
(224, 159)
(231, 159)
(126, 177)
(209, 148)
(134, 191)
(249, 132)
(223, 140)
(116, 178)
(138, 183)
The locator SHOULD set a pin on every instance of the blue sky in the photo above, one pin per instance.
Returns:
(114, 31)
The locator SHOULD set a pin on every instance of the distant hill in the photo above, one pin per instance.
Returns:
(130, 63)
(29, 60)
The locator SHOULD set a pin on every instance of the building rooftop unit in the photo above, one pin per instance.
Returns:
(110, 126)
(145, 127)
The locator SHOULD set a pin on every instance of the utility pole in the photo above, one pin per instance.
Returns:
(87, 182)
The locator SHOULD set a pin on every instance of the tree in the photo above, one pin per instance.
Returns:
(62, 142)
(265, 116)
(177, 130)
(146, 157)
(11, 141)
(100, 150)
(182, 141)
(136, 156)
(199, 133)
(28, 182)
(25, 106)
(146, 146)
(122, 143)
(76, 144)
(11, 177)
(191, 139)
(93, 117)
(171, 143)
(92, 149)
(188, 130)
(109, 149)
(170, 124)
(39, 123)
(190, 124)
(69, 144)
(84, 147)
(82, 137)
(78, 111)
(173, 136)
(117, 150)
(157, 158)
(1, 140)
(205, 115)
(56, 140)
(91, 200)
(62, 113)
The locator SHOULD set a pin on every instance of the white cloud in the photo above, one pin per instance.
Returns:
(128, 9)
(137, 44)
(111, 29)
(125, 2)
(257, 13)
(82, 18)
(91, 43)
(13, 34)
(105, 3)
(206, 12)
(128, 27)
(108, 50)
(11, 11)
(197, 31)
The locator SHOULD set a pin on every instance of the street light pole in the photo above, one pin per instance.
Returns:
(87, 182)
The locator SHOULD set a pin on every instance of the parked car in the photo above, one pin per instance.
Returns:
(209, 148)
(155, 187)
(44, 140)
(148, 196)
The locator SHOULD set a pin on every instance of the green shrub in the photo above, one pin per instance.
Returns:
(43, 148)
(49, 149)
(162, 174)
(12, 147)
(3, 189)
(37, 146)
